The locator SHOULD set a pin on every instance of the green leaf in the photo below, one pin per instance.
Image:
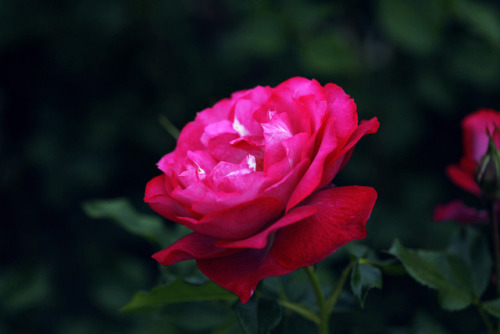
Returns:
(492, 307)
(176, 292)
(358, 250)
(367, 256)
(471, 247)
(438, 270)
(363, 278)
(121, 211)
(259, 315)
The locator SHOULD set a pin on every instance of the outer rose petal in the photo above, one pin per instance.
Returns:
(157, 197)
(192, 246)
(260, 239)
(237, 222)
(343, 109)
(463, 179)
(341, 217)
(337, 160)
(325, 166)
(459, 212)
(241, 272)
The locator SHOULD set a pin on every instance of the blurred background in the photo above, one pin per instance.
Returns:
(84, 83)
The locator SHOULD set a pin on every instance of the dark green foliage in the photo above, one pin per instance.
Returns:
(176, 292)
(365, 277)
(459, 274)
(258, 316)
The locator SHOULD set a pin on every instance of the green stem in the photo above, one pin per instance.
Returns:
(496, 243)
(485, 318)
(496, 247)
(338, 288)
(323, 314)
(306, 313)
(169, 126)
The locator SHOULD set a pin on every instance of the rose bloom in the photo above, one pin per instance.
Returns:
(475, 128)
(251, 177)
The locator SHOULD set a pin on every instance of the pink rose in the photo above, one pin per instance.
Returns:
(251, 177)
(475, 129)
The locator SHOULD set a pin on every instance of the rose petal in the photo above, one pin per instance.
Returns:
(283, 188)
(341, 218)
(258, 94)
(240, 221)
(232, 178)
(189, 140)
(459, 212)
(475, 136)
(332, 165)
(312, 178)
(294, 146)
(241, 272)
(243, 118)
(259, 240)
(192, 246)
(463, 179)
(220, 111)
(158, 199)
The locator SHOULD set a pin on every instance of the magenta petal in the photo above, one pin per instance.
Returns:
(220, 111)
(312, 177)
(240, 221)
(332, 165)
(241, 272)
(341, 218)
(189, 139)
(343, 109)
(364, 128)
(158, 199)
(459, 212)
(259, 240)
(258, 95)
(192, 246)
(475, 127)
(286, 185)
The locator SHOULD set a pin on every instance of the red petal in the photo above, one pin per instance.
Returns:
(240, 221)
(192, 246)
(259, 240)
(241, 272)
(341, 218)
(464, 179)
(337, 160)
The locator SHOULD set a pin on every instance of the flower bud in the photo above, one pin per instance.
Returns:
(488, 172)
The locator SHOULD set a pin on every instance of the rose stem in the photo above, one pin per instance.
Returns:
(484, 317)
(323, 312)
(496, 243)
(496, 247)
(340, 285)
